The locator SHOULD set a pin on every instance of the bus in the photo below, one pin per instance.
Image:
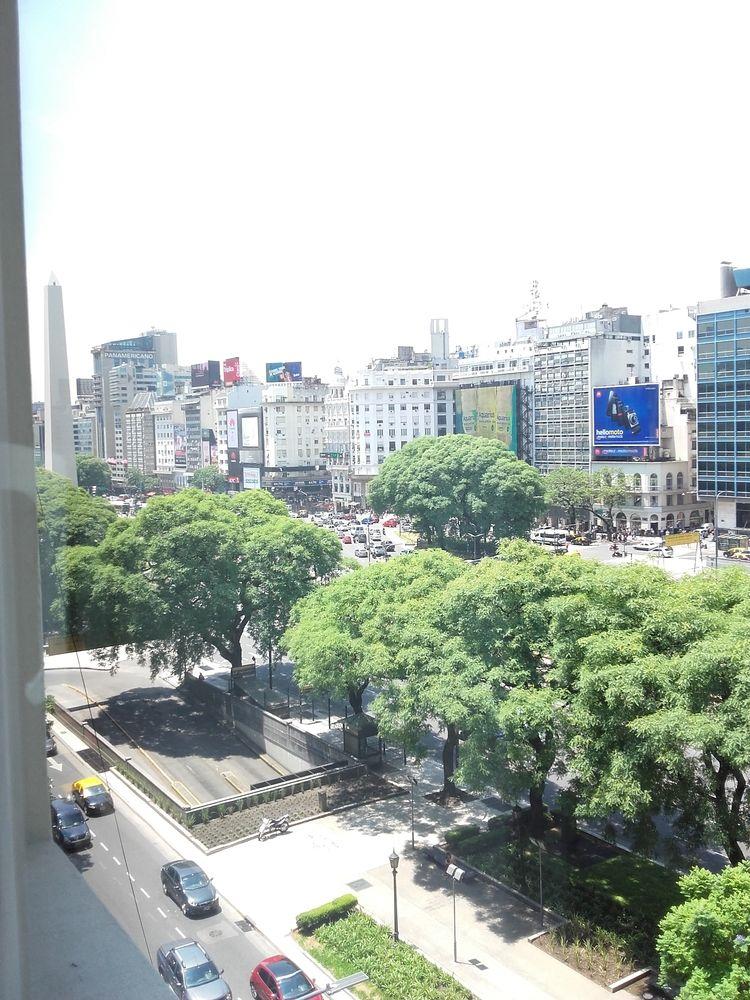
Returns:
(553, 538)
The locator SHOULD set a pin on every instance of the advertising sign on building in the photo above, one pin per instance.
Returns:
(233, 435)
(206, 374)
(250, 478)
(208, 438)
(251, 432)
(620, 454)
(488, 412)
(626, 415)
(284, 371)
(231, 371)
(180, 446)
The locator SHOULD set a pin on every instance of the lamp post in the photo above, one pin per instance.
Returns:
(412, 786)
(455, 874)
(724, 493)
(538, 843)
(394, 860)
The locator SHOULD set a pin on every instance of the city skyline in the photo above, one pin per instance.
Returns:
(314, 191)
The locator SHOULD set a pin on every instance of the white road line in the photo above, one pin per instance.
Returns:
(102, 844)
(93, 834)
(131, 878)
(144, 892)
(116, 860)
(162, 912)
(180, 932)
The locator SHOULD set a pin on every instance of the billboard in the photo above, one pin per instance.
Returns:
(233, 437)
(488, 412)
(284, 371)
(250, 478)
(251, 432)
(180, 446)
(231, 371)
(617, 453)
(205, 374)
(626, 415)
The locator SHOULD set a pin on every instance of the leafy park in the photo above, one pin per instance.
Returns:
(626, 688)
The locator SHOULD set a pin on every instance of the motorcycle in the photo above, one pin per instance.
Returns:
(269, 826)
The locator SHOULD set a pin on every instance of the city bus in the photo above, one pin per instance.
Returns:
(553, 538)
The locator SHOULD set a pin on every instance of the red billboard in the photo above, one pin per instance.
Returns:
(231, 371)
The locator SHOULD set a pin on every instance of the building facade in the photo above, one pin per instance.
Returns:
(293, 425)
(140, 444)
(337, 438)
(723, 384)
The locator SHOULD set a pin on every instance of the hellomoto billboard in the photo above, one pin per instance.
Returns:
(626, 415)
(488, 412)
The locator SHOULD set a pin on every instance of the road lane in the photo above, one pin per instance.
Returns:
(122, 868)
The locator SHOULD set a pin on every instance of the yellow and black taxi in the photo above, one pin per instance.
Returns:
(92, 796)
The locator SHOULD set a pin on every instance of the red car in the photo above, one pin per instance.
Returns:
(279, 978)
(347, 539)
(390, 522)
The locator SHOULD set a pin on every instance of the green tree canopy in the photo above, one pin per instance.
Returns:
(339, 635)
(210, 478)
(474, 482)
(141, 482)
(595, 494)
(704, 945)
(67, 516)
(93, 472)
(191, 574)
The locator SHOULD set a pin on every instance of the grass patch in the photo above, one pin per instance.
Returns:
(396, 970)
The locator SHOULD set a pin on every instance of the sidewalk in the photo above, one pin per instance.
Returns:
(271, 882)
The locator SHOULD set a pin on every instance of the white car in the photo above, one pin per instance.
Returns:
(648, 545)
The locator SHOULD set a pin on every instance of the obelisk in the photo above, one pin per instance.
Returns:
(59, 453)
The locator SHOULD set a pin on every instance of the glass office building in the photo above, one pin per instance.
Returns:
(723, 381)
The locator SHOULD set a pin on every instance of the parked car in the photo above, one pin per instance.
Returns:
(69, 826)
(49, 741)
(347, 539)
(389, 546)
(188, 885)
(359, 536)
(360, 553)
(279, 978)
(390, 522)
(377, 550)
(91, 795)
(188, 971)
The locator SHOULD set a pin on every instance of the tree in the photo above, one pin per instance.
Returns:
(338, 636)
(189, 576)
(474, 482)
(141, 482)
(93, 474)
(66, 517)
(210, 478)
(595, 493)
(704, 945)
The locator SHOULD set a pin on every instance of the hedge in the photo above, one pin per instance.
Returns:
(396, 970)
(459, 834)
(334, 910)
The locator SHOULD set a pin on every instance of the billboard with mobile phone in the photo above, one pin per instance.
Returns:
(626, 415)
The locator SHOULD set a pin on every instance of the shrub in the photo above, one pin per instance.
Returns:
(396, 970)
(458, 834)
(325, 914)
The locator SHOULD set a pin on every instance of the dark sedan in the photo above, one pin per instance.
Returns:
(92, 796)
(188, 885)
(69, 826)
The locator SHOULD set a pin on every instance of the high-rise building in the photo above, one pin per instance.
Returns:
(336, 436)
(151, 350)
(669, 344)
(723, 380)
(293, 421)
(140, 445)
(85, 390)
(59, 455)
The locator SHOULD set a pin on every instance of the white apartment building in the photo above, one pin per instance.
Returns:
(669, 337)
(337, 435)
(293, 425)
(169, 436)
(392, 402)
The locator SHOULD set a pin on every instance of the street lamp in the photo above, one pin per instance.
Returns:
(540, 844)
(455, 874)
(724, 493)
(412, 785)
(394, 860)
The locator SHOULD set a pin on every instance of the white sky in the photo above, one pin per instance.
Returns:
(314, 180)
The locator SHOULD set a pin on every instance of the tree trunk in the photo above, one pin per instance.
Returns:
(355, 695)
(727, 816)
(450, 761)
(536, 808)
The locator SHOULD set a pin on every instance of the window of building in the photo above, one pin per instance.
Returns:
(680, 480)
(669, 481)
(653, 481)
(680, 351)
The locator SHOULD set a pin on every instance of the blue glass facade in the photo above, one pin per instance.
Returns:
(723, 381)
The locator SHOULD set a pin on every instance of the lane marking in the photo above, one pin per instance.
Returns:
(116, 860)
(180, 932)
(162, 912)
(102, 844)
(93, 834)
(131, 878)
(144, 892)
